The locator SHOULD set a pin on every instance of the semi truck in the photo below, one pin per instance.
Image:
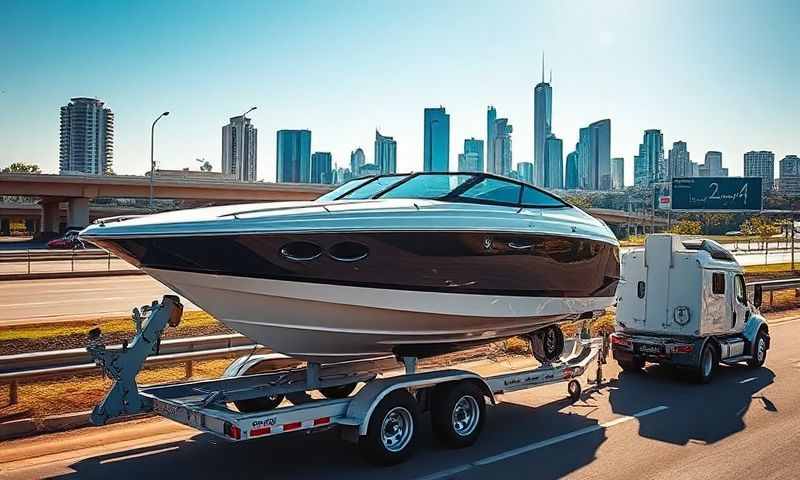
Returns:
(684, 303)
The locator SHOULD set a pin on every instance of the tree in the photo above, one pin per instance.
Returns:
(19, 167)
(581, 201)
(687, 227)
(763, 228)
(206, 166)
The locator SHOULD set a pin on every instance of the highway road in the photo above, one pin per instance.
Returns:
(65, 299)
(653, 425)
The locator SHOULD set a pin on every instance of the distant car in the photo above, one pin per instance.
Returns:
(69, 241)
(734, 233)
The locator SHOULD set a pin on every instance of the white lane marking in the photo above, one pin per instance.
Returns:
(66, 300)
(544, 443)
(137, 455)
(747, 380)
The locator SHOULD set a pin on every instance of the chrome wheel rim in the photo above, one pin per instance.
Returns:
(761, 349)
(396, 429)
(708, 362)
(465, 415)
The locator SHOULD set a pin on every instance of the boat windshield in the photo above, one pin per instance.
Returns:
(373, 187)
(458, 187)
(344, 188)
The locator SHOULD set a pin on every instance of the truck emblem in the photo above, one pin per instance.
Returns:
(681, 315)
(487, 243)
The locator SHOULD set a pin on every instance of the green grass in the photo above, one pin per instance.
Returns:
(109, 325)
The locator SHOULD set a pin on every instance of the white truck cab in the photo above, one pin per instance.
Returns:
(685, 303)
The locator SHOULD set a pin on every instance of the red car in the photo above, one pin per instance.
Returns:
(69, 241)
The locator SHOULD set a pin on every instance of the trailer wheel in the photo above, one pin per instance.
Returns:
(458, 411)
(547, 344)
(704, 372)
(574, 390)
(340, 391)
(391, 433)
(759, 351)
(634, 365)
(258, 404)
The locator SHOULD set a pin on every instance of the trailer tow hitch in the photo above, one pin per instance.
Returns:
(122, 365)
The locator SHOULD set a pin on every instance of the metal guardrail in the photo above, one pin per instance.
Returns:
(37, 366)
(25, 260)
(772, 286)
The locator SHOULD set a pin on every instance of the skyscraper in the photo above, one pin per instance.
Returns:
(240, 149)
(790, 175)
(542, 125)
(293, 156)
(472, 158)
(501, 163)
(594, 156)
(571, 181)
(436, 150)
(491, 133)
(678, 162)
(525, 171)
(87, 137)
(649, 164)
(321, 167)
(385, 153)
(617, 173)
(357, 160)
(761, 164)
(554, 163)
(601, 168)
(712, 165)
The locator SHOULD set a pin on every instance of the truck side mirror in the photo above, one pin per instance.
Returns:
(757, 296)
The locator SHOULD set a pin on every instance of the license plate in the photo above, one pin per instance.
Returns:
(650, 349)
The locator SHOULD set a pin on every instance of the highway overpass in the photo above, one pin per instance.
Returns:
(64, 199)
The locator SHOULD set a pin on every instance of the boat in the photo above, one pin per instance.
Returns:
(407, 264)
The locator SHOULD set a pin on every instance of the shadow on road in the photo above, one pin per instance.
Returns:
(323, 455)
(706, 413)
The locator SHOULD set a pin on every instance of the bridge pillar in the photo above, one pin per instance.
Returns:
(78, 212)
(50, 217)
(5, 226)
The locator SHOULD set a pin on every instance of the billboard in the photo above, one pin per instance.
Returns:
(716, 193)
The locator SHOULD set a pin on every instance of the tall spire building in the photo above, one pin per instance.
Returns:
(542, 126)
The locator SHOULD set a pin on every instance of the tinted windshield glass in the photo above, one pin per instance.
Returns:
(427, 186)
(370, 189)
(532, 197)
(343, 188)
(494, 190)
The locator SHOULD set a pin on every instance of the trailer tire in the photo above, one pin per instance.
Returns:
(709, 360)
(391, 433)
(258, 404)
(458, 412)
(759, 351)
(547, 344)
(634, 365)
(341, 391)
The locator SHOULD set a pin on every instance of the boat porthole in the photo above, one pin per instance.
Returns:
(301, 251)
(348, 252)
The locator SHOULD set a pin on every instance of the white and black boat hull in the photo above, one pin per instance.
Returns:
(330, 323)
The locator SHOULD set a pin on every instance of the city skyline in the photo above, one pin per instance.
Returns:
(610, 81)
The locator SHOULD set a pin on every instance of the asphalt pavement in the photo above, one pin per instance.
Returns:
(66, 299)
(639, 426)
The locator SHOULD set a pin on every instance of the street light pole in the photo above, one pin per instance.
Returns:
(152, 160)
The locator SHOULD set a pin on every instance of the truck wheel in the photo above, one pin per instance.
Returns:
(258, 404)
(634, 365)
(458, 411)
(391, 433)
(708, 364)
(759, 351)
(547, 344)
(340, 391)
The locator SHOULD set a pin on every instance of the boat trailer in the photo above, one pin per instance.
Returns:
(380, 417)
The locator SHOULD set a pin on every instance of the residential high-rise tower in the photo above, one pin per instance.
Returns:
(240, 149)
(87, 137)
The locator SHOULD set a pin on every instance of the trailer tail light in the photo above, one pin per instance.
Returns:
(322, 421)
(292, 426)
(621, 341)
(232, 431)
(682, 348)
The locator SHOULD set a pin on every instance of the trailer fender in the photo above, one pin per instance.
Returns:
(366, 400)
(251, 364)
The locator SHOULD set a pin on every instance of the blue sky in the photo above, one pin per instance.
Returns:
(718, 74)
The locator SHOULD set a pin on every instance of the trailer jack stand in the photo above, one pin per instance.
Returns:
(122, 365)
